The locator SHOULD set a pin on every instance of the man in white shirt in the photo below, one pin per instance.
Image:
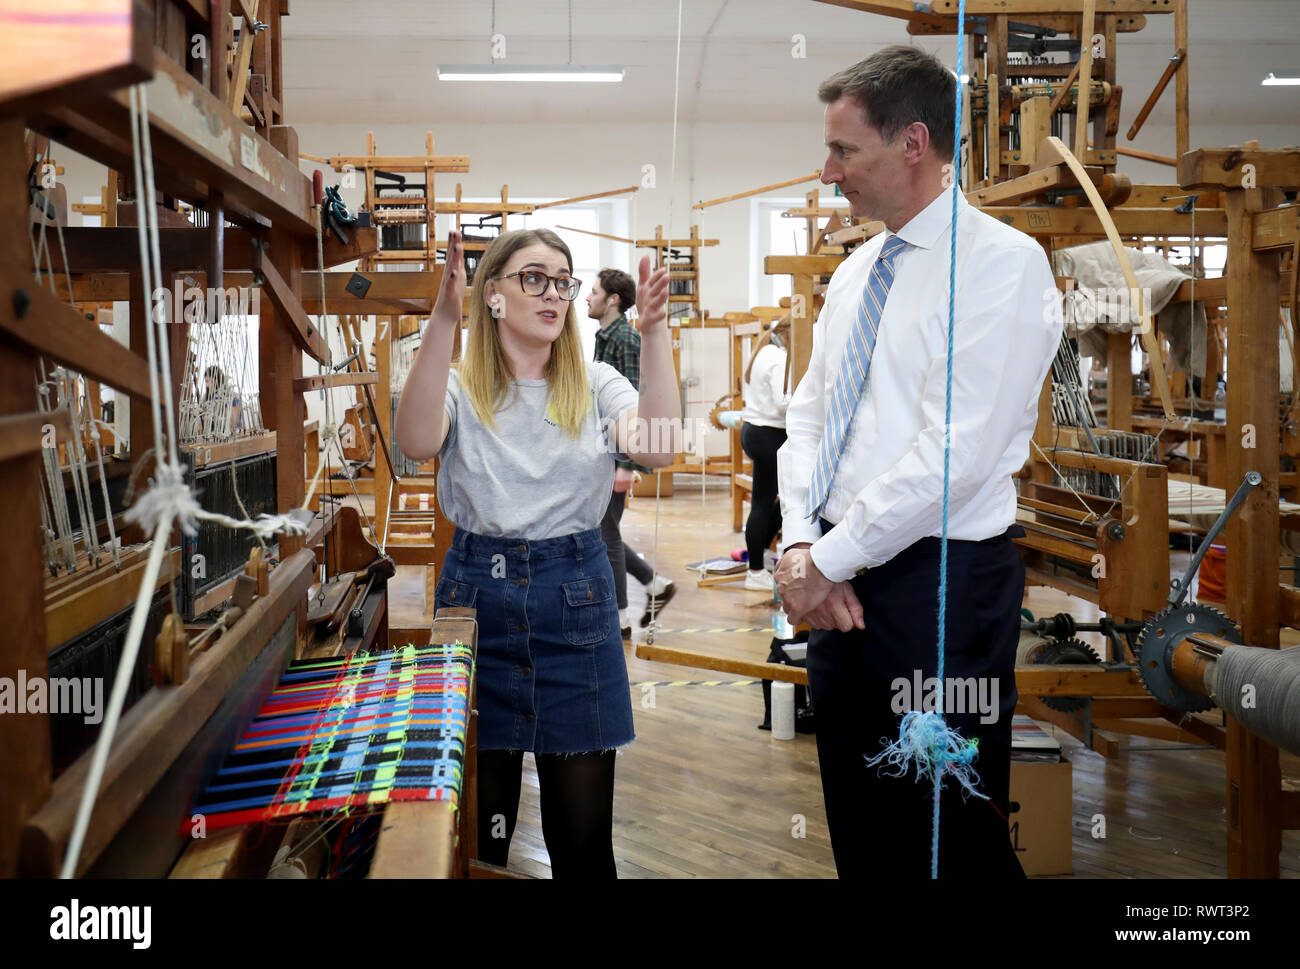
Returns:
(861, 474)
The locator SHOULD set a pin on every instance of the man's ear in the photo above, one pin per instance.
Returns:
(917, 142)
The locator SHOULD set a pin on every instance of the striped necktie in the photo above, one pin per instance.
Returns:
(852, 378)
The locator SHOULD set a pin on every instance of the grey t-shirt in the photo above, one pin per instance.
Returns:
(528, 477)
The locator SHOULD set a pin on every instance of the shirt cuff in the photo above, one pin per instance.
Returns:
(796, 530)
(836, 556)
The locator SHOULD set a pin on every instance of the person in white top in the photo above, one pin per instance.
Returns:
(766, 396)
(862, 507)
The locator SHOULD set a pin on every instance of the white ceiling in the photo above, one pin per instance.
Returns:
(376, 62)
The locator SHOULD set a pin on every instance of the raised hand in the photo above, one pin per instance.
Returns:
(451, 294)
(651, 297)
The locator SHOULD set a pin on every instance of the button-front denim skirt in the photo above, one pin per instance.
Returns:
(551, 674)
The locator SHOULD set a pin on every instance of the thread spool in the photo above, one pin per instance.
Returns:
(782, 711)
(1260, 689)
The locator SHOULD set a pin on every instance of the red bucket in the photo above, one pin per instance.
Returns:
(1213, 576)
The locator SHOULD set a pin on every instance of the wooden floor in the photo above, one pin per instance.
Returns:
(704, 793)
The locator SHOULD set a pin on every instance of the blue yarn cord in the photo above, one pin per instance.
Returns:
(925, 742)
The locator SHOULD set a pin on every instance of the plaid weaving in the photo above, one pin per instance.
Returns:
(348, 734)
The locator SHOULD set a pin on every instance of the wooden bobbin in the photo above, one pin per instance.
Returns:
(258, 568)
(171, 651)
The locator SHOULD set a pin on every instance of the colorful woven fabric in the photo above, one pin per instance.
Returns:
(346, 735)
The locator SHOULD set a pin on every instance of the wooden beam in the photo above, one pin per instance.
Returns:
(1014, 8)
(758, 191)
(25, 433)
(199, 144)
(72, 55)
(345, 379)
(1046, 220)
(300, 326)
(86, 607)
(801, 265)
(281, 363)
(402, 293)
(109, 250)
(582, 198)
(1086, 22)
(1225, 168)
(1253, 772)
(1183, 89)
(854, 233)
(363, 243)
(1275, 228)
(723, 664)
(1080, 680)
(54, 329)
(1175, 62)
(247, 9)
(397, 163)
(25, 765)
(901, 9)
(1061, 23)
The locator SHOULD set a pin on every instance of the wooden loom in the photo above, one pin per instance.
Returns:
(206, 155)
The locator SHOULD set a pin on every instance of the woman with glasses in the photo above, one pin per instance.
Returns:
(528, 433)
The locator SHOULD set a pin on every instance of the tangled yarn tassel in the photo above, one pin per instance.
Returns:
(928, 746)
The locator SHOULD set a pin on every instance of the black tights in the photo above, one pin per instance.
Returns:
(761, 444)
(577, 809)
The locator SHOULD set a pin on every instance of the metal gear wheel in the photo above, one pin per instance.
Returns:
(1161, 636)
(1057, 652)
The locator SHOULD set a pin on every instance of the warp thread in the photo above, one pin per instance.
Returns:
(170, 496)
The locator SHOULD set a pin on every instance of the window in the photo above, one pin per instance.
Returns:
(773, 234)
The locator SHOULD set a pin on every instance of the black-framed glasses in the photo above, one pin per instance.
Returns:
(534, 283)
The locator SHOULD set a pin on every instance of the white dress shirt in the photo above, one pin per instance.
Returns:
(887, 492)
(764, 393)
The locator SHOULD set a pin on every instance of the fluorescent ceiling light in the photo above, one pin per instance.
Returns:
(534, 73)
(1273, 81)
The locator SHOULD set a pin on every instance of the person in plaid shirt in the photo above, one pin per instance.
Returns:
(619, 344)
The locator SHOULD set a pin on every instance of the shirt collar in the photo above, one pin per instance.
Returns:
(606, 332)
(927, 227)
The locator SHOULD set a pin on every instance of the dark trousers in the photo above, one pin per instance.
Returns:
(622, 557)
(761, 444)
(880, 825)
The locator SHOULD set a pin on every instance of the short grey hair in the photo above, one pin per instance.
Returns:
(898, 86)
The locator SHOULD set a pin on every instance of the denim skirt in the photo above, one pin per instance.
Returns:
(551, 676)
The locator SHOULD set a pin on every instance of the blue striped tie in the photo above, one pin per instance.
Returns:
(852, 378)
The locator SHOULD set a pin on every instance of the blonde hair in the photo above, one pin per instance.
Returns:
(779, 334)
(484, 369)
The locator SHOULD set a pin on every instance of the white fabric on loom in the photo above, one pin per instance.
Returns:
(1099, 304)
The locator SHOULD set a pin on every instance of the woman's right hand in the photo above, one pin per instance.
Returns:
(451, 293)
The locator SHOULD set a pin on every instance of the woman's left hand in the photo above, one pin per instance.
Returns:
(651, 297)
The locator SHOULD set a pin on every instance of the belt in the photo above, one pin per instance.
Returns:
(1013, 532)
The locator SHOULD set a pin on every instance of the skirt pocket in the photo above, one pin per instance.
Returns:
(586, 610)
(450, 593)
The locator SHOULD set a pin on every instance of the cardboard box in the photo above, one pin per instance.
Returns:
(1042, 816)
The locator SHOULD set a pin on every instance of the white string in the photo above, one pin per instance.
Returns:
(672, 191)
(134, 634)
